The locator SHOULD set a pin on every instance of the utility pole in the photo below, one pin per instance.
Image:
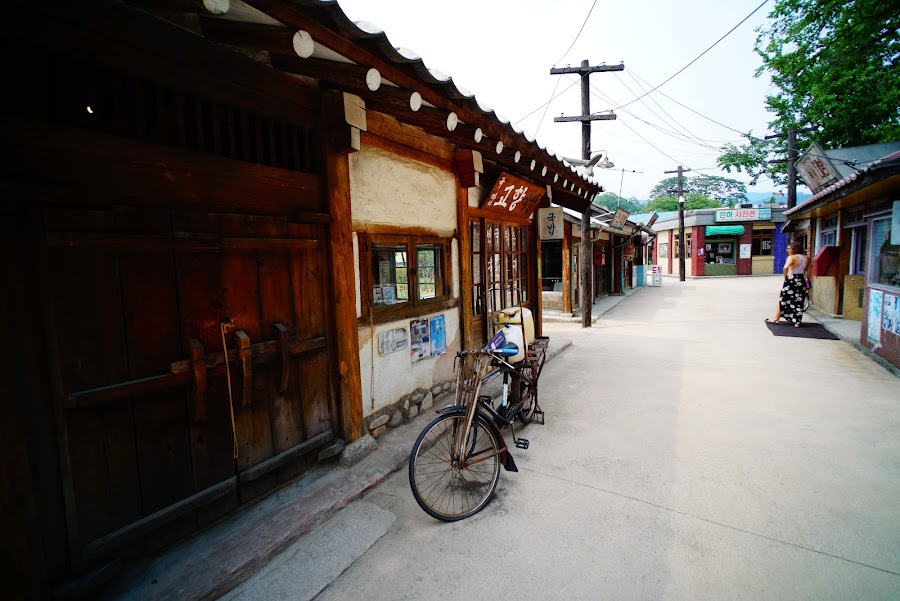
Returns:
(586, 254)
(791, 161)
(681, 264)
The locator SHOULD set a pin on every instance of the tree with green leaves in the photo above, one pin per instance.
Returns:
(692, 200)
(836, 67)
(725, 191)
(613, 201)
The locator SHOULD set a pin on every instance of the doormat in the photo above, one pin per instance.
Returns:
(806, 330)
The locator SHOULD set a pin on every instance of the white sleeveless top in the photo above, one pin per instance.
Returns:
(800, 269)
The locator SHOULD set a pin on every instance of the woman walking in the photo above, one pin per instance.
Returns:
(790, 301)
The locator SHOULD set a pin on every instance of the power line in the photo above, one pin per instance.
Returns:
(546, 105)
(579, 33)
(696, 59)
(673, 120)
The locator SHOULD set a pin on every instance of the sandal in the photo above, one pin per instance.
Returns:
(767, 320)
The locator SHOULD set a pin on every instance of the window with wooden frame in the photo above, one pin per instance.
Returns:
(404, 275)
(506, 250)
(762, 243)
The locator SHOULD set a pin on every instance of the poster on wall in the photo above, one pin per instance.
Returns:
(438, 336)
(419, 343)
(891, 314)
(874, 321)
(392, 341)
(745, 251)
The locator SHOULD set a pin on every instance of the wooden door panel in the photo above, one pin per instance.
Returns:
(136, 287)
(313, 391)
(199, 282)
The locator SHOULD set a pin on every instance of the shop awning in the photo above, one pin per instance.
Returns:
(724, 230)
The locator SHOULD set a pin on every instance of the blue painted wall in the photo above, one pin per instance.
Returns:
(779, 249)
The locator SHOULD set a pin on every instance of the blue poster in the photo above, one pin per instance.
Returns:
(874, 322)
(438, 336)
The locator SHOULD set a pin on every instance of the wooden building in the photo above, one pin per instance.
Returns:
(216, 217)
(851, 229)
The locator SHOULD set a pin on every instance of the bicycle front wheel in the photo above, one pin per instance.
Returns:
(805, 302)
(445, 487)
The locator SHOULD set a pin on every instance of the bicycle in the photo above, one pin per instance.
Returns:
(806, 292)
(454, 465)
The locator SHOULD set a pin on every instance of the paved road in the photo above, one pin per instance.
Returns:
(688, 454)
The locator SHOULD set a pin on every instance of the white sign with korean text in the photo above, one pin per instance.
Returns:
(816, 169)
(745, 251)
(550, 222)
(742, 215)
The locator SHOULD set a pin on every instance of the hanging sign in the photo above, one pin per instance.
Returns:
(619, 218)
(653, 219)
(514, 196)
(816, 169)
(628, 252)
(550, 222)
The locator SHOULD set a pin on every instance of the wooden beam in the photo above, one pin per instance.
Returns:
(430, 119)
(468, 165)
(343, 297)
(310, 19)
(281, 40)
(212, 7)
(356, 76)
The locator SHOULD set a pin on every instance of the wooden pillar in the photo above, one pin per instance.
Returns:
(339, 112)
(535, 255)
(567, 268)
(465, 264)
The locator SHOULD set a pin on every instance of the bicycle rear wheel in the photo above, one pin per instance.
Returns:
(444, 488)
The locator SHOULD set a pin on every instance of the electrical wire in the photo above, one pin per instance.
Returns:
(546, 105)
(578, 35)
(671, 77)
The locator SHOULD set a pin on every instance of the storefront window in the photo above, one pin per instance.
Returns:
(828, 231)
(857, 250)
(762, 244)
(406, 271)
(884, 262)
(687, 246)
(719, 250)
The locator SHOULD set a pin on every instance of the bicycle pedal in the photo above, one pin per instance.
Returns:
(522, 443)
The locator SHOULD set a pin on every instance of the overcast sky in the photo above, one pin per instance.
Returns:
(503, 50)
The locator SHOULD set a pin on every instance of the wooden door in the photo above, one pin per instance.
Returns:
(500, 272)
(134, 300)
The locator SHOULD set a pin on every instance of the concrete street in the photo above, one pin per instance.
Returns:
(687, 454)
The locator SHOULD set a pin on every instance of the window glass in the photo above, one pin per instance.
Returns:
(858, 251)
(428, 269)
(884, 266)
(390, 273)
(762, 244)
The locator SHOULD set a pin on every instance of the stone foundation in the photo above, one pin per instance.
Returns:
(406, 408)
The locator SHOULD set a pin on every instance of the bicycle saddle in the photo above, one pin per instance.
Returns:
(510, 349)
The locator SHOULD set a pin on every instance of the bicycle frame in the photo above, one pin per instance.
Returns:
(473, 404)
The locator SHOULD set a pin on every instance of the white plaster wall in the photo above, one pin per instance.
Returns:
(395, 375)
(390, 190)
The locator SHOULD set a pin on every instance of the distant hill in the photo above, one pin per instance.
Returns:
(764, 197)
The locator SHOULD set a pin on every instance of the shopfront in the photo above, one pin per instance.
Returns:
(722, 242)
